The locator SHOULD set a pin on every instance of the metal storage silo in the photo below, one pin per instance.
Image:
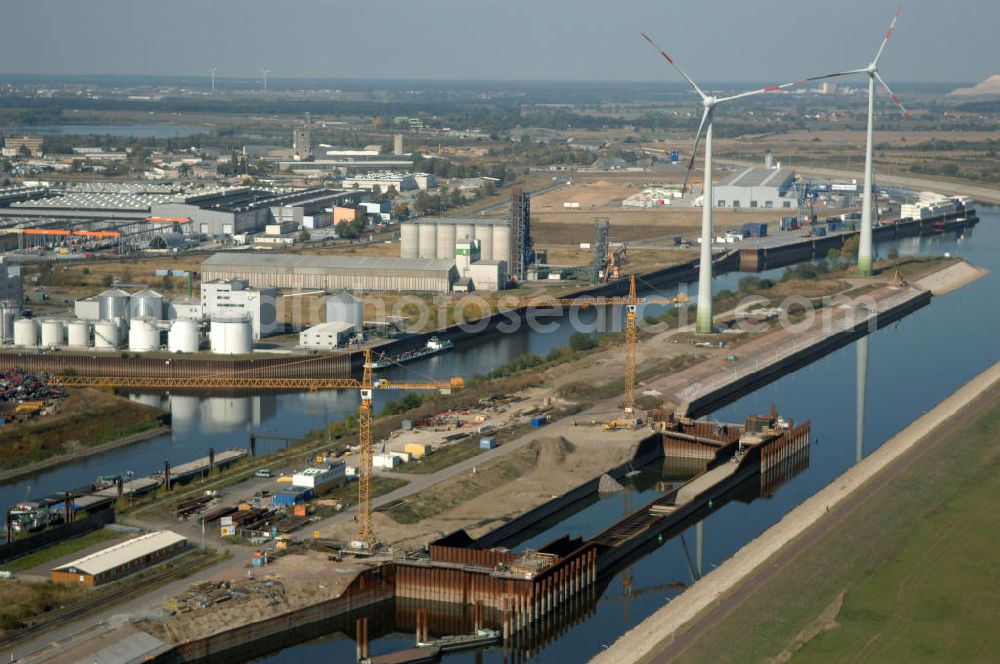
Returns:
(52, 333)
(409, 243)
(26, 332)
(426, 240)
(484, 233)
(501, 243)
(345, 308)
(230, 335)
(107, 334)
(143, 335)
(9, 312)
(114, 304)
(183, 336)
(78, 334)
(445, 242)
(146, 304)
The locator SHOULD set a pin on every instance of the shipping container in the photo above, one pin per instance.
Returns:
(819, 231)
(539, 420)
(417, 450)
(491, 442)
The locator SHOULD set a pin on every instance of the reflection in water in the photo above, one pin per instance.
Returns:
(190, 414)
(862, 389)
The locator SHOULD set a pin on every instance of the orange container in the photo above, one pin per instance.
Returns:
(299, 510)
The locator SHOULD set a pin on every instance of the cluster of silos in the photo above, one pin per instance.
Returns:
(436, 238)
(230, 334)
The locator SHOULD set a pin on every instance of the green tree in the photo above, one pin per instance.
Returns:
(304, 235)
(849, 251)
(401, 211)
(422, 203)
(580, 341)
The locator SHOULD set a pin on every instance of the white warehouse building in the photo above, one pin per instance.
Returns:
(757, 188)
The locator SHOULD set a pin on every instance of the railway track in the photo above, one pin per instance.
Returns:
(102, 600)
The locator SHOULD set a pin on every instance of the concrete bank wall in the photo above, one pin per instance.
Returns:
(645, 638)
(768, 372)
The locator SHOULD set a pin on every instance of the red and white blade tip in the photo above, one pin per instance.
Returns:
(656, 46)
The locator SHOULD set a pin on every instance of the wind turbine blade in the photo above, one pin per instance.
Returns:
(676, 66)
(782, 86)
(888, 33)
(892, 94)
(694, 150)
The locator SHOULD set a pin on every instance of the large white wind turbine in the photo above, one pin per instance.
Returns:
(703, 322)
(865, 246)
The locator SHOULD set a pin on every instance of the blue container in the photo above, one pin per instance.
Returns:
(487, 443)
(539, 420)
(833, 226)
(289, 497)
(819, 231)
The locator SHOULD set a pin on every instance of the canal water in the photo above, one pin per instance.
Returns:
(912, 366)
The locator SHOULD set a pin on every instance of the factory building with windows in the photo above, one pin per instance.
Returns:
(288, 271)
(757, 188)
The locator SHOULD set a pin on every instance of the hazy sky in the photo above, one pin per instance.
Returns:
(715, 40)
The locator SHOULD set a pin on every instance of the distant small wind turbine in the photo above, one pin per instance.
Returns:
(212, 71)
(264, 73)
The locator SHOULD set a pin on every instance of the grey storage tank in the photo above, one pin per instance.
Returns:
(445, 242)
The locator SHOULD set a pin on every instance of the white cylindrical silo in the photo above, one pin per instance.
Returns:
(445, 242)
(484, 233)
(231, 335)
(114, 303)
(409, 243)
(183, 336)
(143, 335)
(426, 240)
(26, 332)
(107, 334)
(146, 304)
(345, 308)
(52, 333)
(501, 243)
(78, 334)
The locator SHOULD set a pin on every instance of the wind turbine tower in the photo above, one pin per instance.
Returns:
(263, 74)
(865, 246)
(212, 72)
(703, 322)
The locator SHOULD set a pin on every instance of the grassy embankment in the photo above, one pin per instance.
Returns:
(86, 418)
(916, 566)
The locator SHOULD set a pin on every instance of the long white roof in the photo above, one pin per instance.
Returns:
(121, 553)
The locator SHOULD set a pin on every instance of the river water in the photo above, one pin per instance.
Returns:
(912, 365)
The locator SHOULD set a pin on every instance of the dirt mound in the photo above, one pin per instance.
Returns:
(551, 452)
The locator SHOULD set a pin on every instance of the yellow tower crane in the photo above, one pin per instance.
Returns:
(631, 303)
(366, 533)
(251, 380)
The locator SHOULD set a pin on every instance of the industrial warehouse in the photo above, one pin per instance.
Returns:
(121, 559)
(333, 272)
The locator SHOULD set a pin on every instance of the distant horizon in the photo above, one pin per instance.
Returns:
(483, 81)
